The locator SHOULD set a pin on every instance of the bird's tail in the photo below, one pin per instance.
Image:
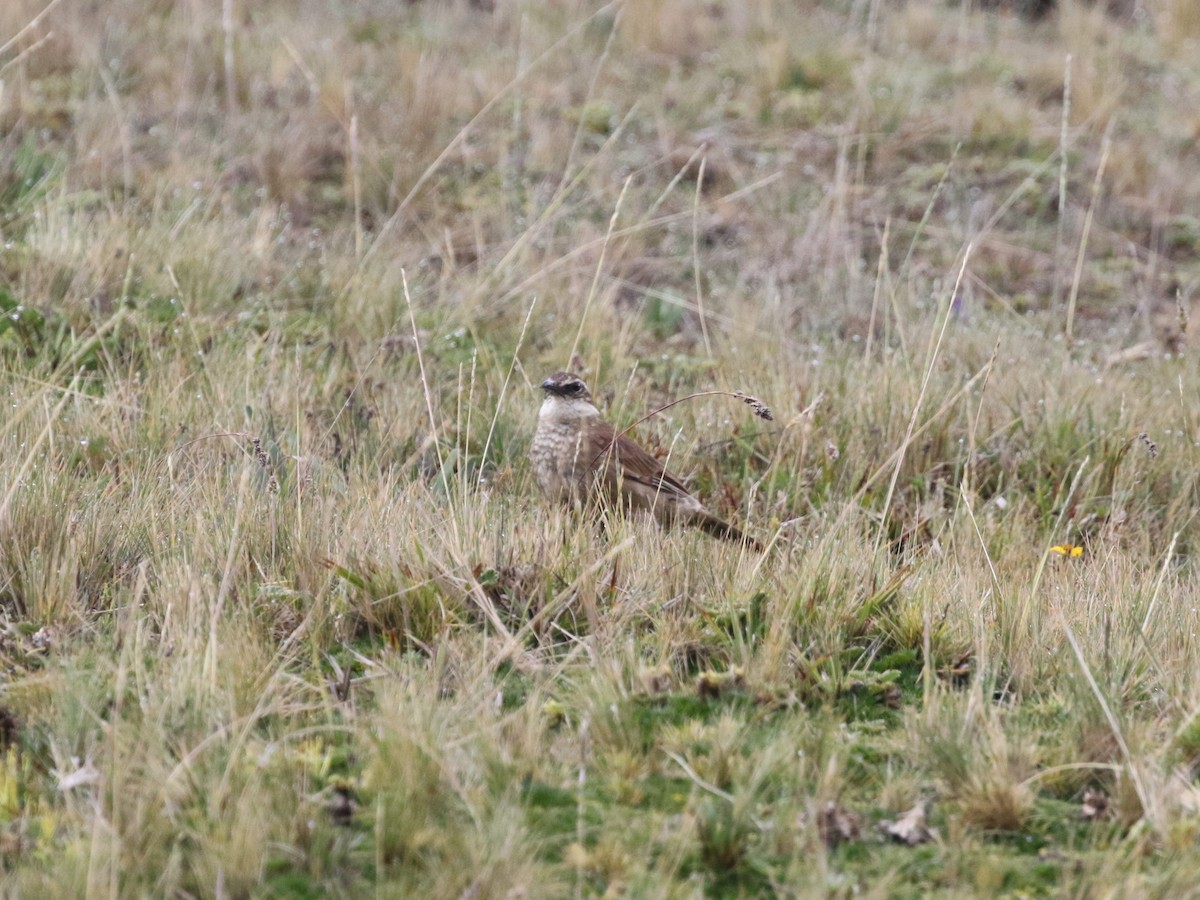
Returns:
(718, 528)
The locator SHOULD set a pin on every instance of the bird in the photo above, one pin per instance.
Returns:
(578, 458)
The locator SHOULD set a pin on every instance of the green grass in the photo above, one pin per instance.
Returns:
(281, 611)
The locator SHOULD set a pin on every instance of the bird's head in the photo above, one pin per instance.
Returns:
(566, 386)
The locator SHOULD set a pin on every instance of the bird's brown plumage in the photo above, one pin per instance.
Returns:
(577, 457)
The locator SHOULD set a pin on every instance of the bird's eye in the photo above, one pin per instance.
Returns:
(574, 387)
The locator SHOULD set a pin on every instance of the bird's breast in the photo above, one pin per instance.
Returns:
(558, 459)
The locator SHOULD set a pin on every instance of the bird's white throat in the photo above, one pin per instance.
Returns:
(566, 411)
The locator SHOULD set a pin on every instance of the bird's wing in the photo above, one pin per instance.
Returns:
(632, 462)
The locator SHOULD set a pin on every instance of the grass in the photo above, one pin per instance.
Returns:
(281, 613)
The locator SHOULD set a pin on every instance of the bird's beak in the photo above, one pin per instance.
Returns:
(548, 385)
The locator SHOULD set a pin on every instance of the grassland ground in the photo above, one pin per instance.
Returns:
(281, 613)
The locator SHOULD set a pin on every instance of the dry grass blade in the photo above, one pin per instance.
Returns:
(934, 350)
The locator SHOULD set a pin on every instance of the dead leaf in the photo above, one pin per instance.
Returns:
(658, 680)
(1136, 353)
(711, 685)
(836, 824)
(1050, 854)
(958, 673)
(1096, 806)
(1185, 793)
(910, 828)
(342, 803)
(83, 775)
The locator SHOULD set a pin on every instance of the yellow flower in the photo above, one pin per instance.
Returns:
(1067, 550)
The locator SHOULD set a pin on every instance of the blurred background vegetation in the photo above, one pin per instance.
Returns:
(280, 613)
